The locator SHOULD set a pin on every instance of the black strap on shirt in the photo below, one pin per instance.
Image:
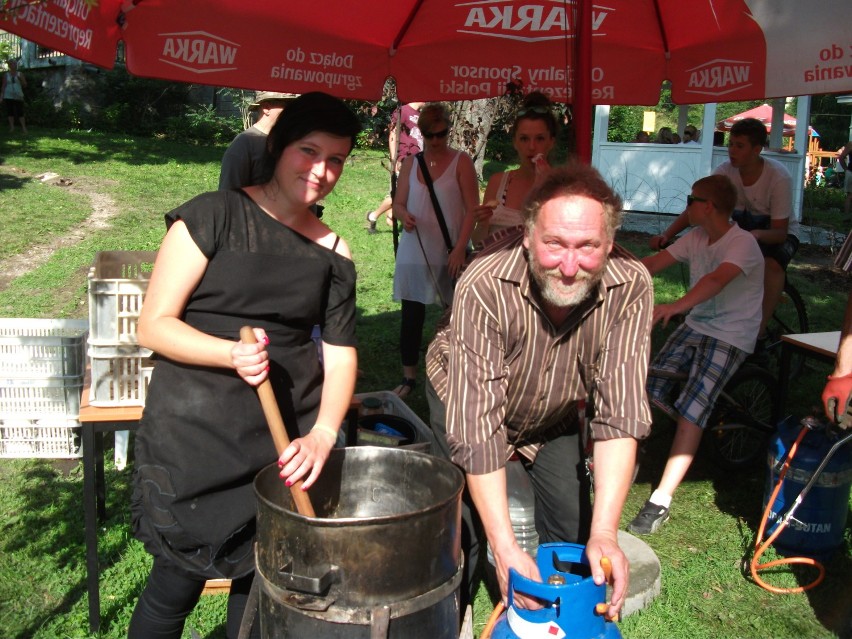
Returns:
(435, 204)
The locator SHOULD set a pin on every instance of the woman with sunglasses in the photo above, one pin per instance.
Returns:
(533, 136)
(425, 265)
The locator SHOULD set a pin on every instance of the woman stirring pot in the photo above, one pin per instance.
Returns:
(258, 257)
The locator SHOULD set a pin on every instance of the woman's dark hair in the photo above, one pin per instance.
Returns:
(537, 106)
(309, 112)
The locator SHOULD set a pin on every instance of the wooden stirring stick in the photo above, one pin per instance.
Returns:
(279, 432)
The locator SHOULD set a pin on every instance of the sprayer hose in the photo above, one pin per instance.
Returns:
(492, 621)
(760, 547)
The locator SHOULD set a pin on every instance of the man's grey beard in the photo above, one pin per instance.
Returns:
(557, 294)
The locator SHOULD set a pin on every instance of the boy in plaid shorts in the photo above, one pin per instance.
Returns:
(724, 306)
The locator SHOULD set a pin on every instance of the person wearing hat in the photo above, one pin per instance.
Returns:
(242, 164)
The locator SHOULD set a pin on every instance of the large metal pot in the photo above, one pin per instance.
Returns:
(381, 559)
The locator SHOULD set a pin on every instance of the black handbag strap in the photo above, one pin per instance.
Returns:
(435, 204)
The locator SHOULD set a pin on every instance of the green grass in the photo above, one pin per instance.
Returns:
(705, 592)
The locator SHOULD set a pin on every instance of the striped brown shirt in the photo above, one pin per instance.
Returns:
(511, 380)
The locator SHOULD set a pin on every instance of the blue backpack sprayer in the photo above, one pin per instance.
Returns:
(816, 460)
(574, 604)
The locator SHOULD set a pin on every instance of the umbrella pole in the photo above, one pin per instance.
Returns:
(582, 76)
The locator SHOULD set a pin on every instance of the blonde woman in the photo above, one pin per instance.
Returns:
(425, 265)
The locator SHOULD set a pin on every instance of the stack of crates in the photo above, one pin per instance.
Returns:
(42, 365)
(121, 369)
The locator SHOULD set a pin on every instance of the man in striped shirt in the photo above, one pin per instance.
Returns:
(546, 318)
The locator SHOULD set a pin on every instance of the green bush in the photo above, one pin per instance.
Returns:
(202, 125)
(140, 106)
(823, 198)
(40, 111)
(375, 120)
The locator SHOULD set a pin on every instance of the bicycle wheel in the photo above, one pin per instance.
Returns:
(740, 424)
(789, 317)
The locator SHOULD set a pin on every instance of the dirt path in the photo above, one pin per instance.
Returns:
(103, 209)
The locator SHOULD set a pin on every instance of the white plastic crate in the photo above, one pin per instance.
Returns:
(34, 398)
(47, 437)
(117, 284)
(120, 375)
(42, 347)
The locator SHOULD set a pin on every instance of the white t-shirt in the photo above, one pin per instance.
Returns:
(733, 315)
(771, 195)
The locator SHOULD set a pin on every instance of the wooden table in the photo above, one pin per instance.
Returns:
(822, 346)
(95, 422)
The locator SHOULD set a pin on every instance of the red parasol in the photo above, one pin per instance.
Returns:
(711, 50)
(764, 114)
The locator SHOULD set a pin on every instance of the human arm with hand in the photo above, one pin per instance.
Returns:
(469, 185)
(707, 287)
(621, 416)
(659, 241)
(178, 269)
(839, 386)
(305, 457)
(488, 492)
(400, 200)
(614, 463)
(542, 168)
(482, 214)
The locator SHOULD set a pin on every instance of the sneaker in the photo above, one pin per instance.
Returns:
(649, 519)
(371, 224)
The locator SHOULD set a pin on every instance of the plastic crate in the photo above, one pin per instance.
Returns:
(54, 438)
(117, 284)
(35, 398)
(120, 375)
(42, 347)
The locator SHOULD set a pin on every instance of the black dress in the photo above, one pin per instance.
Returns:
(203, 436)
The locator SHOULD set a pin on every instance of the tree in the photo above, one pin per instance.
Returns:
(831, 120)
(472, 122)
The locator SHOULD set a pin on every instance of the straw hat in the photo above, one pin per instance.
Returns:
(266, 96)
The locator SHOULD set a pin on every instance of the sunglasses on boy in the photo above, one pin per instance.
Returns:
(694, 198)
(437, 134)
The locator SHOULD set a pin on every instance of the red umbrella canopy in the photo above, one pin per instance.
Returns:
(729, 50)
(711, 50)
(764, 114)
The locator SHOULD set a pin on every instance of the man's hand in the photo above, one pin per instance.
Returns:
(524, 565)
(598, 547)
(839, 389)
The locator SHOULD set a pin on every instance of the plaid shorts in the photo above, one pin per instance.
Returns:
(710, 363)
